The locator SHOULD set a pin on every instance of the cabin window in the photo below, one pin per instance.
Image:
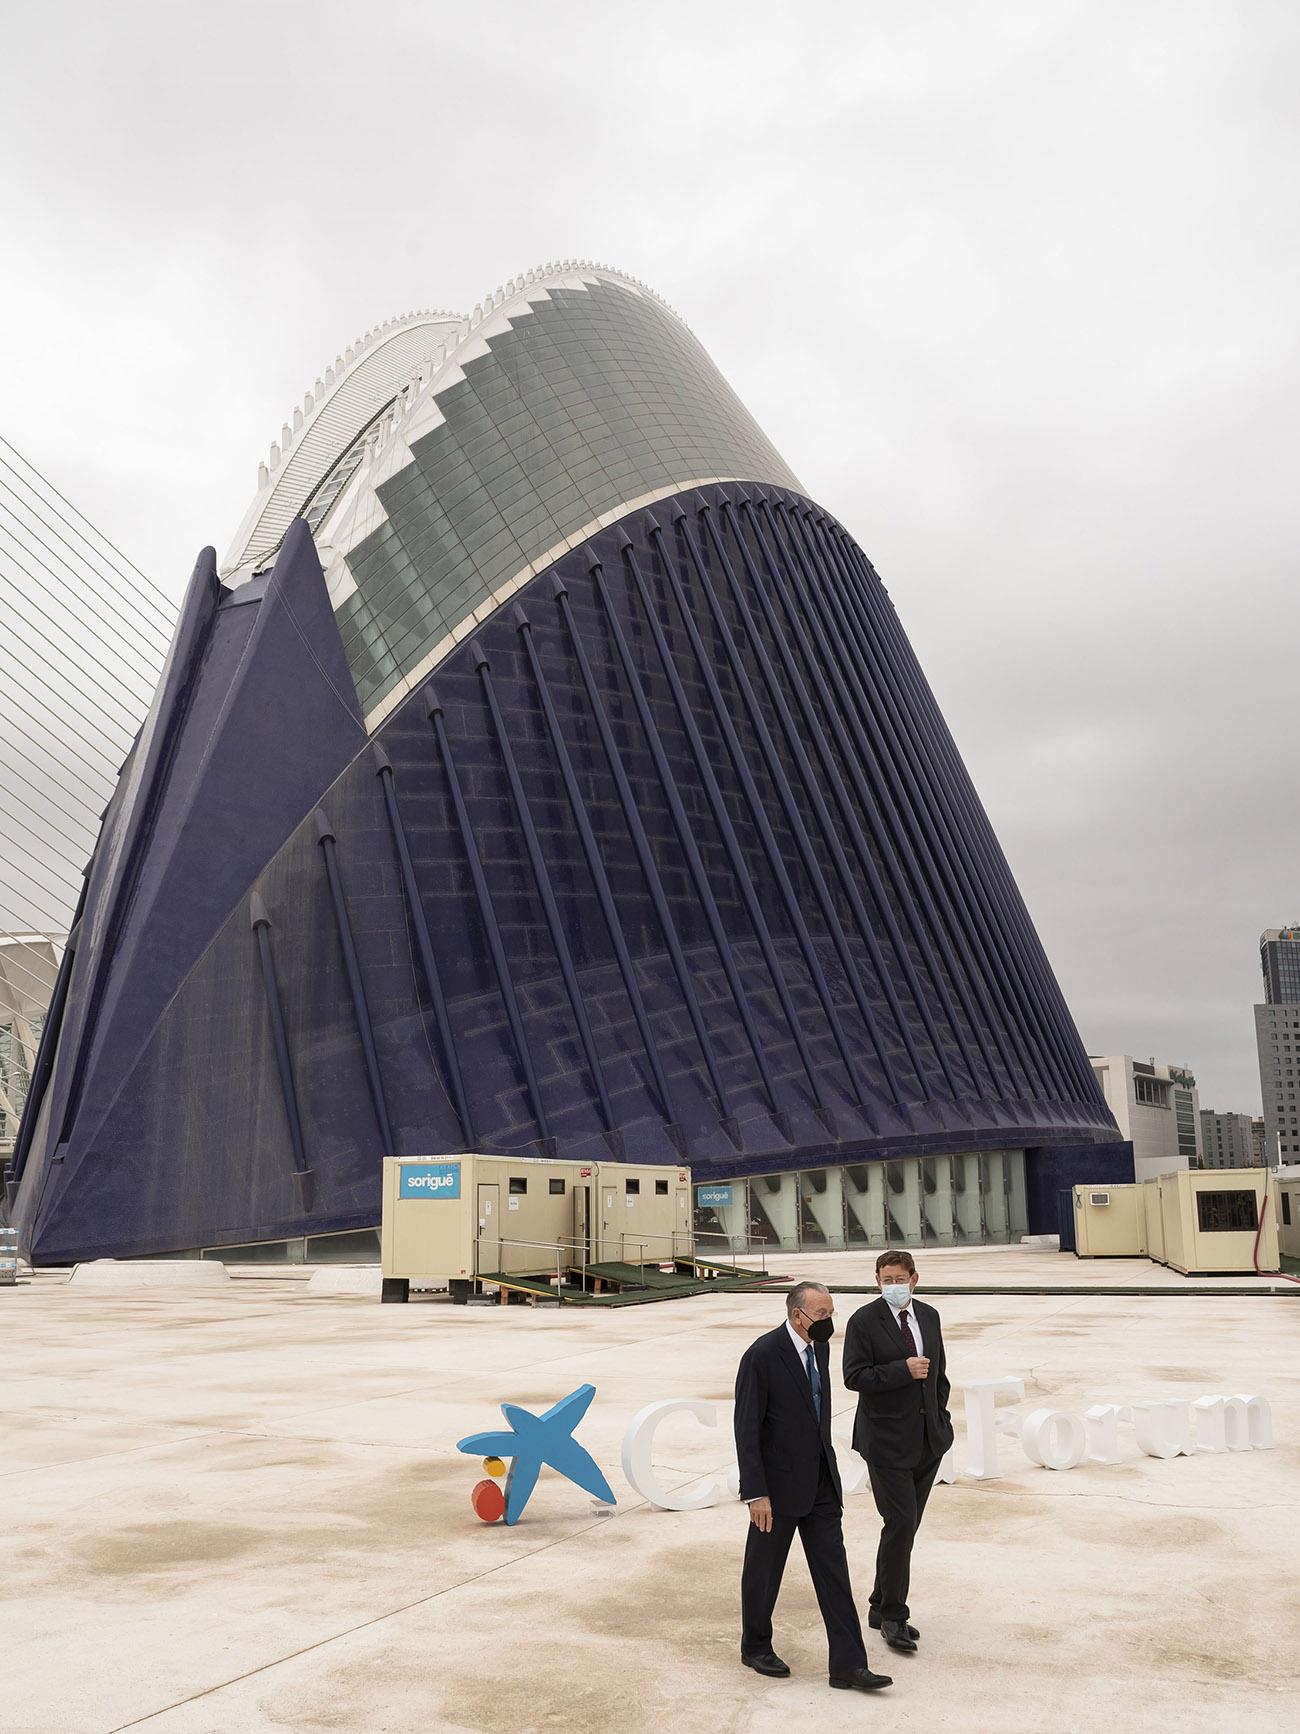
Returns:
(1226, 1212)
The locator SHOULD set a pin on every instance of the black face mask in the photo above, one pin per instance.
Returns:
(821, 1330)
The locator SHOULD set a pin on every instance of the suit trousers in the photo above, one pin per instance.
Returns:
(900, 1496)
(822, 1535)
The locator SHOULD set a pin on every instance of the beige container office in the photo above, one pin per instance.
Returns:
(1153, 1191)
(643, 1214)
(1288, 1220)
(1211, 1219)
(1110, 1221)
(460, 1218)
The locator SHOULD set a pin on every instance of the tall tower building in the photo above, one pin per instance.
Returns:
(1279, 958)
(1277, 1040)
(544, 771)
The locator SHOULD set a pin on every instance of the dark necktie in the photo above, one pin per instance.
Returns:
(906, 1329)
(814, 1378)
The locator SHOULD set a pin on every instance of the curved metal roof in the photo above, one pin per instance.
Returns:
(362, 381)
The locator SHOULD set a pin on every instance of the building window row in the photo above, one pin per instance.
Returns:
(1151, 1092)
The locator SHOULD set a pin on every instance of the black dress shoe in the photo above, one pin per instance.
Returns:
(861, 1680)
(873, 1620)
(898, 1635)
(768, 1663)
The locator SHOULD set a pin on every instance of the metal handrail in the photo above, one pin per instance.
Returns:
(558, 1242)
(582, 1241)
(694, 1236)
(746, 1250)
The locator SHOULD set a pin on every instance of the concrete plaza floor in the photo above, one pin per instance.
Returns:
(241, 1509)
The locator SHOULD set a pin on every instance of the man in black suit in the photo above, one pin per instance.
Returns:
(789, 1478)
(894, 1360)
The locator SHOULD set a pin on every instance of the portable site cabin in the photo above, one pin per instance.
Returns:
(464, 1219)
(1214, 1221)
(1108, 1221)
(1151, 1193)
(1201, 1222)
(1288, 1221)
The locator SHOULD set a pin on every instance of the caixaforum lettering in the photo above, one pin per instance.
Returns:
(1056, 1439)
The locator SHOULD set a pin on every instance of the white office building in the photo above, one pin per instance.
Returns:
(1227, 1140)
(1156, 1108)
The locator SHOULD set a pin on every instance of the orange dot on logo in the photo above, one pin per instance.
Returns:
(489, 1501)
(494, 1466)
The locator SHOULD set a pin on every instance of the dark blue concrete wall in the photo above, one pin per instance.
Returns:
(1054, 1168)
(817, 950)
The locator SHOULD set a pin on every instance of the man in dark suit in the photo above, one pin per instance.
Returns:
(894, 1360)
(789, 1478)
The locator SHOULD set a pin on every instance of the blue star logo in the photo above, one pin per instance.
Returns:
(537, 1439)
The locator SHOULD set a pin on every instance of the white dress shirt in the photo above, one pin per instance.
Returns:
(800, 1348)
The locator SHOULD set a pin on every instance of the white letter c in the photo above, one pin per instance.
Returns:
(638, 1447)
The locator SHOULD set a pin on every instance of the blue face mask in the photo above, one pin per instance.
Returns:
(898, 1294)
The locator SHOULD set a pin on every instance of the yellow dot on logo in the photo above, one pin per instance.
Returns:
(494, 1466)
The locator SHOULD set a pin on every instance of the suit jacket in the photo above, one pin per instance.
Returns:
(901, 1421)
(780, 1442)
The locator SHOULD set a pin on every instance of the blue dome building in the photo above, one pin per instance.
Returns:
(545, 772)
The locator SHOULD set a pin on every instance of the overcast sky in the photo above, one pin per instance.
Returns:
(1013, 287)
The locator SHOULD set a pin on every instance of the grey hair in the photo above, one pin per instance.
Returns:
(800, 1292)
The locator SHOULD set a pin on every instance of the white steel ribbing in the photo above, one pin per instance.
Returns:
(83, 636)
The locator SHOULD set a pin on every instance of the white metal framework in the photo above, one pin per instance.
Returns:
(359, 385)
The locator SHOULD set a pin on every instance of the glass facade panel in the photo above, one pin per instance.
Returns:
(864, 1204)
(903, 1202)
(774, 1212)
(967, 1205)
(937, 1199)
(821, 1216)
(258, 1252)
(361, 1246)
(997, 1215)
(971, 1199)
(1017, 1205)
